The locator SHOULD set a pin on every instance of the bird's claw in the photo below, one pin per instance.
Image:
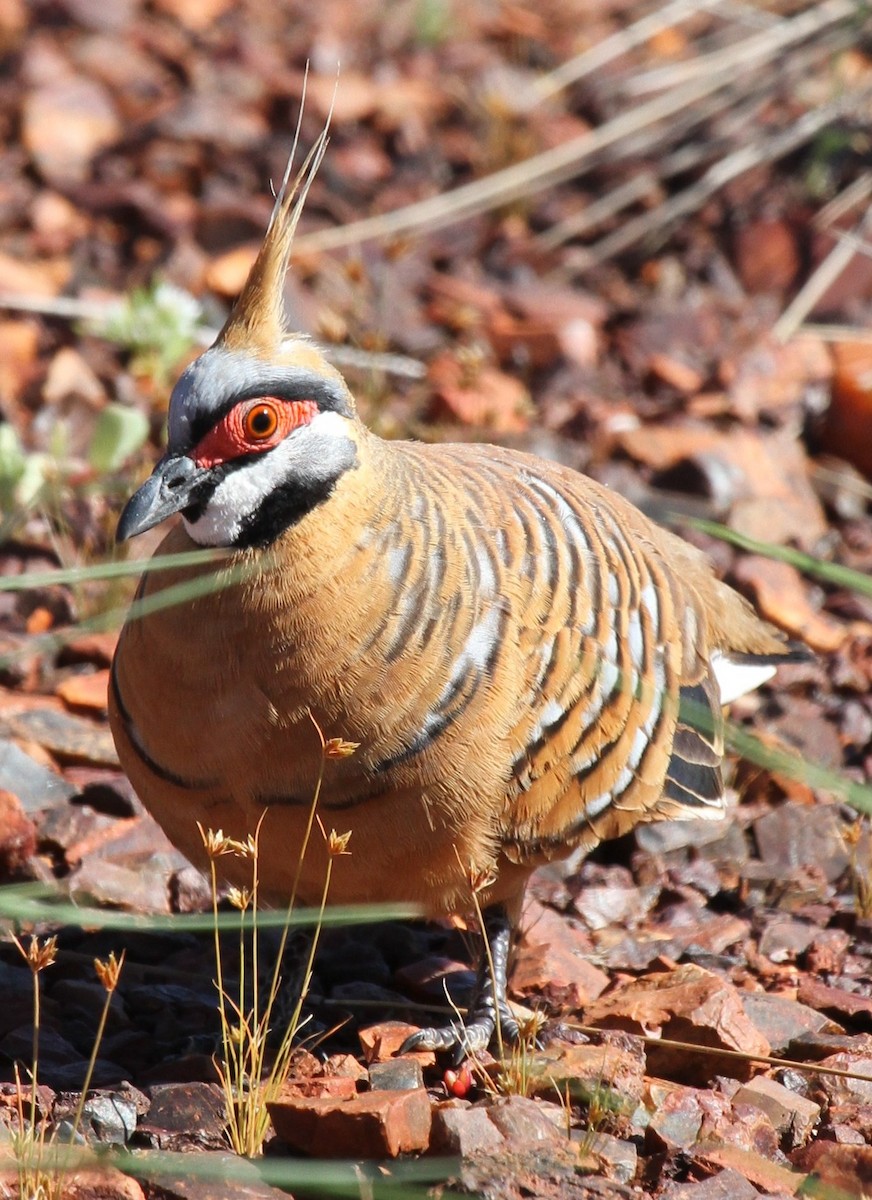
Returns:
(469, 1039)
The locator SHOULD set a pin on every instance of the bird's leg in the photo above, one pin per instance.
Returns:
(488, 1006)
(293, 976)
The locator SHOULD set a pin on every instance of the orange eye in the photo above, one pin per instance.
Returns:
(260, 422)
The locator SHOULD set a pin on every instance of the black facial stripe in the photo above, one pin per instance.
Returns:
(287, 504)
(212, 476)
(326, 396)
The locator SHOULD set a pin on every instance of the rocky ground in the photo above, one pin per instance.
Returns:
(673, 295)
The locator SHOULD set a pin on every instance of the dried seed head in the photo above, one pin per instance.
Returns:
(337, 843)
(853, 833)
(39, 954)
(531, 1025)
(246, 849)
(216, 841)
(109, 971)
(480, 878)
(338, 748)
(239, 897)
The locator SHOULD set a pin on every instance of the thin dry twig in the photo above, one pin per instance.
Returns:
(824, 275)
(70, 308)
(715, 178)
(559, 163)
(622, 42)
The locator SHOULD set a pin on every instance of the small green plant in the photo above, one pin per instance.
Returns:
(39, 1152)
(433, 21)
(158, 324)
(250, 1076)
(31, 479)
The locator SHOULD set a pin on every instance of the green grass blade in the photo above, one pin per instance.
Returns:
(36, 903)
(828, 572)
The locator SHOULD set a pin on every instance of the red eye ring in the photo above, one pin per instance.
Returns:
(260, 422)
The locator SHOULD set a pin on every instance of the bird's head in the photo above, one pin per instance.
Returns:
(261, 427)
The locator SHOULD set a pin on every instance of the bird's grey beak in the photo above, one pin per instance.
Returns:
(167, 490)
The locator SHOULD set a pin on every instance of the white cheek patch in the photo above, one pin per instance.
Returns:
(314, 452)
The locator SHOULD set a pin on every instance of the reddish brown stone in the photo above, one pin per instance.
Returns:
(381, 1042)
(612, 1074)
(767, 257)
(761, 1171)
(104, 1183)
(836, 1001)
(793, 1116)
(826, 954)
(371, 1125)
(17, 835)
(520, 1119)
(603, 1154)
(726, 1185)
(333, 1087)
(344, 1065)
(846, 1170)
(678, 1114)
(551, 961)
(90, 692)
(460, 1129)
(689, 1004)
(782, 1020)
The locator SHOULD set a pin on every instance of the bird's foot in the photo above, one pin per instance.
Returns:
(471, 1037)
(489, 1013)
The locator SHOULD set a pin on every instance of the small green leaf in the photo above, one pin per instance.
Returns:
(120, 432)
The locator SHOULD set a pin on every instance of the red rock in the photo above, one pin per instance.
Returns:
(98, 648)
(479, 394)
(603, 1154)
(461, 1129)
(676, 373)
(678, 1114)
(197, 15)
(763, 478)
(344, 1066)
(371, 1125)
(551, 961)
(19, 347)
(381, 1042)
(836, 1001)
(17, 835)
(839, 1089)
(687, 1005)
(610, 1072)
(767, 258)
(69, 375)
(793, 1116)
(397, 1074)
(520, 1119)
(782, 1020)
(826, 954)
(762, 1172)
(846, 429)
(781, 595)
(86, 691)
(65, 123)
(793, 835)
(842, 1170)
(726, 1185)
(104, 1183)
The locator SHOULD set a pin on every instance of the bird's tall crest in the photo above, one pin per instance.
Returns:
(257, 320)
